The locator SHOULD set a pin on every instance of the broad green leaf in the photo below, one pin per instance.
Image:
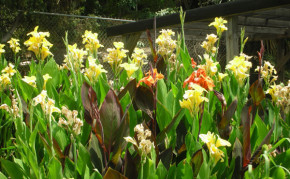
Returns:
(69, 168)
(149, 169)
(258, 132)
(204, 172)
(184, 170)
(13, 169)
(2, 176)
(161, 171)
(278, 173)
(51, 68)
(96, 175)
(55, 169)
(83, 160)
(60, 135)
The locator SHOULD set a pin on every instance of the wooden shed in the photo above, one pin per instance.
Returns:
(263, 20)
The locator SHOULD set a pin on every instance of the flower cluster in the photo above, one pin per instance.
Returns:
(199, 77)
(13, 110)
(2, 49)
(213, 143)
(74, 59)
(151, 78)
(267, 72)
(91, 41)
(47, 104)
(165, 43)
(14, 45)
(281, 96)
(219, 24)
(210, 67)
(240, 67)
(115, 56)
(72, 121)
(138, 57)
(193, 98)
(5, 77)
(94, 70)
(209, 44)
(143, 142)
(38, 44)
(130, 68)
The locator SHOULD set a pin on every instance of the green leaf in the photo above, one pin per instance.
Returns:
(258, 132)
(278, 173)
(172, 172)
(204, 172)
(84, 160)
(161, 171)
(59, 134)
(69, 168)
(55, 169)
(2, 176)
(96, 175)
(13, 169)
(51, 68)
(149, 169)
(184, 170)
(237, 158)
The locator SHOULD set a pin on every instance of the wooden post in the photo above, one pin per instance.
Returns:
(232, 38)
(130, 41)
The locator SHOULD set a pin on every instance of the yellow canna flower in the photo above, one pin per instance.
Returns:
(5, 81)
(75, 58)
(30, 80)
(38, 44)
(193, 98)
(2, 49)
(267, 72)
(209, 44)
(115, 56)
(130, 68)
(210, 67)
(221, 76)
(165, 43)
(240, 67)
(47, 104)
(91, 41)
(138, 57)
(213, 143)
(14, 45)
(94, 70)
(9, 70)
(46, 77)
(219, 25)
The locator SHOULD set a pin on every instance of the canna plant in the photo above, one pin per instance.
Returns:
(184, 118)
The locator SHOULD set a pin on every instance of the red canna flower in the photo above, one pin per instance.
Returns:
(151, 79)
(199, 77)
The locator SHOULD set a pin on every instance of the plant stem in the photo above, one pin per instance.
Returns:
(50, 134)
(75, 156)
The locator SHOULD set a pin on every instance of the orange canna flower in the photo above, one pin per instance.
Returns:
(199, 77)
(151, 79)
(193, 63)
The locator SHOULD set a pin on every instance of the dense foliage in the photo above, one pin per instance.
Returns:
(178, 120)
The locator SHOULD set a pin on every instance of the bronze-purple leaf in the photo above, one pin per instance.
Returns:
(130, 87)
(111, 114)
(113, 174)
(246, 121)
(196, 162)
(257, 92)
(144, 100)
